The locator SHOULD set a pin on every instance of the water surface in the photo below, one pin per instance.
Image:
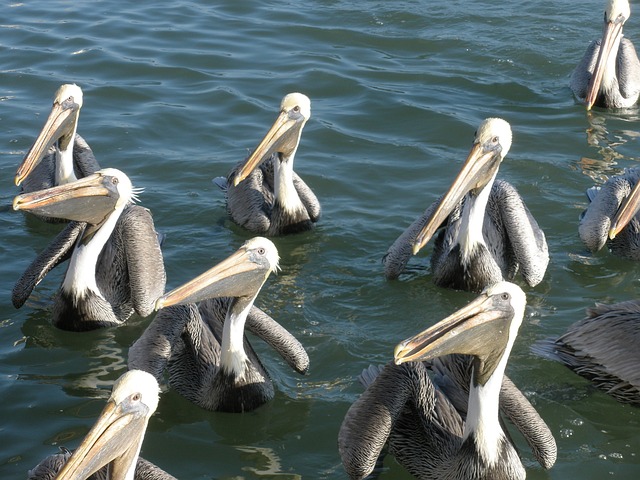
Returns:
(176, 94)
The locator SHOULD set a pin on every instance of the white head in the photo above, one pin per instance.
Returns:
(295, 100)
(69, 91)
(140, 384)
(495, 130)
(617, 11)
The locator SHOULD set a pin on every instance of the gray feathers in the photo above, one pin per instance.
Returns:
(514, 243)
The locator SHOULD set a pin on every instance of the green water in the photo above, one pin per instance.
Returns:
(175, 94)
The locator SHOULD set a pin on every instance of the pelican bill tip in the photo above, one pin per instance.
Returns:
(159, 303)
(16, 203)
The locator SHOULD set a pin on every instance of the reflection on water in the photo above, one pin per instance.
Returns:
(267, 463)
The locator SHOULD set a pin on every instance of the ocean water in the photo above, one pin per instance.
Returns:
(175, 94)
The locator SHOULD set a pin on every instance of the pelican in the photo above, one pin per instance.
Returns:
(264, 194)
(603, 347)
(59, 155)
(434, 429)
(203, 346)
(488, 233)
(609, 73)
(115, 265)
(611, 216)
(112, 446)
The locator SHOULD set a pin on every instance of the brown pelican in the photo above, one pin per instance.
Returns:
(203, 346)
(59, 155)
(115, 265)
(612, 207)
(426, 423)
(111, 448)
(604, 348)
(609, 73)
(264, 194)
(489, 234)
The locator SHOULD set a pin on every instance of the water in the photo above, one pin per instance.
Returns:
(175, 95)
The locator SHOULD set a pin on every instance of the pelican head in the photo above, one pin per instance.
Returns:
(284, 135)
(486, 328)
(627, 210)
(490, 145)
(60, 127)
(240, 275)
(90, 199)
(117, 435)
(616, 13)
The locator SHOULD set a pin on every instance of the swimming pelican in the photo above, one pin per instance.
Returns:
(603, 347)
(112, 446)
(264, 194)
(612, 207)
(203, 346)
(609, 73)
(489, 234)
(116, 264)
(59, 155)
(434, 429)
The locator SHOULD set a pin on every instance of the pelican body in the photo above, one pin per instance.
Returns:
(115, 261)
(447, 426)
(59, 155)
(487, 233)
(111, 448)
(604, 348)
(264, 194)
(202, 345)
(608, 75)
(612, 216)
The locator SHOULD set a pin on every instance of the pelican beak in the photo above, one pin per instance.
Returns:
(89, 199)
(479, 168)
(109, 440)
(611, 35)
(626, 212)
(283, 136)
(238, 274)
(480, 329)
(59, 125)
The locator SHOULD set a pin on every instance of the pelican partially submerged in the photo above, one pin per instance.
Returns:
(448, 425)
(609, 73)
(487, 232)
(604, 348)
(115, 261)
(59, 155)
(264, 194)
(203, 346)
(612, 216)
(111, 449)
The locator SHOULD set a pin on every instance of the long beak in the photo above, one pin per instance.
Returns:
(89, 199)
(626, 212)
(236, 276)
(478, 169)
(473, 330)
(61, 122)
(283, 135)
(610, 37)
(109, 439)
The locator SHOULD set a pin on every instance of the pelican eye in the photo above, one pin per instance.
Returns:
(505, 296)
(296, 109)
(136, 397)
(261, 251)
(495, 139)
(115, 180)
